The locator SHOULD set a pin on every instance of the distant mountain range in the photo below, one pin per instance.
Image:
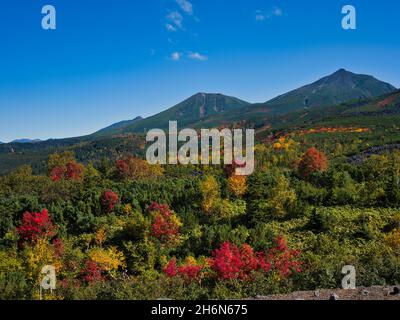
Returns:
(205, 109)
(26, 141)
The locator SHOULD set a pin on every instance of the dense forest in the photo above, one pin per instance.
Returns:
(319, 199)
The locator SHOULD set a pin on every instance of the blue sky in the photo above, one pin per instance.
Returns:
(114, 60)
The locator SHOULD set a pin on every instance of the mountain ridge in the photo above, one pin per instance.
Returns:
(26, 141)
(194, 109)
(118, 126)
(334, 89)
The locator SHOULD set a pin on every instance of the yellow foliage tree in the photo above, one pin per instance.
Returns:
(238, 185)
(37, 256)
(100, 236)
(108, 259)
(210, 192)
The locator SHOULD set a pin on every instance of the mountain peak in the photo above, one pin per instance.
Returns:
(206, 94)
(341, 71)
(339, 87)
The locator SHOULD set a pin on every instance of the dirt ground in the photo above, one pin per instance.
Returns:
(372, 293)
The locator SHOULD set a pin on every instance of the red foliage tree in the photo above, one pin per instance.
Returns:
(91, 272)
(312, 161)
(171, 270)
(58, 246)
(57, 173)
(165, 225)
(108, 200)
(36, 225)
(233, 262)
(71, 171)
(285, 261)
(74, 171)
(189, 271)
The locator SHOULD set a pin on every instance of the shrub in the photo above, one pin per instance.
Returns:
(36, 225)
(166, 224)
(132, 168)
(237, 185)
(108, 200)
(189, 271)
(312, 161)
(71, 171)
(233, 262)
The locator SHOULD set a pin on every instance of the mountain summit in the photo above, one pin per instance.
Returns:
(339, 87)
(189, 112)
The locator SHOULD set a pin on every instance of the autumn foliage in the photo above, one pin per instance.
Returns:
(91, 272)
(36, 225)
(71, 171)
(108, 200)
(132, 168)
(284, 260)
(233, 262)
(238, 185)
(166, 225)
(312, 161)
(189, 271)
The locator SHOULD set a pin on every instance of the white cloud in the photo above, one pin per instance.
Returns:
(175, 19)
(186, 6)
(261, 15)
(197, 56)
(170, 27)
(176, 56)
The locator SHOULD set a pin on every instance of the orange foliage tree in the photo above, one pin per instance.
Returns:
(312, 161)
(132, 168)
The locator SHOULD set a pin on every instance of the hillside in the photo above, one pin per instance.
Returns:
(189, 112)
(357, 111)
(334, 89)
(117, 127)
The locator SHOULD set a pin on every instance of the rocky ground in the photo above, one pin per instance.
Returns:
(372, 293)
